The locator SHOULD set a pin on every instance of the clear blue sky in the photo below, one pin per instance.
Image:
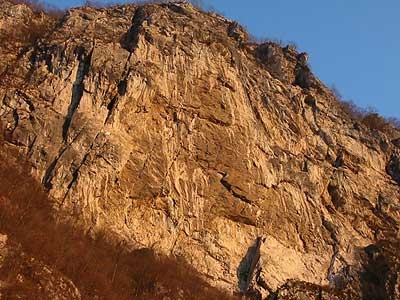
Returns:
(353, 44)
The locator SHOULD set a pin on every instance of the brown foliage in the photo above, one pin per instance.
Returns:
(40, 7)
(23, 35)
(94, 265)
(18, 34)
(368, 117)
(374, 121)
(351, 109)
(35, 5)
(94, 3)
(106, 3)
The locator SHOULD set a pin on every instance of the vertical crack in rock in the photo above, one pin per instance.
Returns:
(393, 168)
(75, 173)
(121, 89)
(77, 88)
(110, 107)
(168, 171)
(129, 40)
(254, 109)
(30, 146)
(26, 99)
(49, 173)
(16, 121)
(330, 276)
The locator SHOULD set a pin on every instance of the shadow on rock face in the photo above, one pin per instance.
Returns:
(376, 282)
(248, 265)
(393, 167)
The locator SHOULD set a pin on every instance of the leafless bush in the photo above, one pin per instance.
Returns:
(98, 4)
(394, 121)
(293, 45)
(374, 121)
(23, 34)
(351, 109)
(41, 7)
(265, 40)
(336, 93)
(35, 5)
(369, 117)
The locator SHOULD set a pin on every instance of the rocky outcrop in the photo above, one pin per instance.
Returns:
(165, 128)
(286, 64)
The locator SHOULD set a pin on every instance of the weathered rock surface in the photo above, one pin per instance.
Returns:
(164, 127)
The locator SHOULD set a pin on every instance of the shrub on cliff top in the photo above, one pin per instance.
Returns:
(369, 117)
(41, 7)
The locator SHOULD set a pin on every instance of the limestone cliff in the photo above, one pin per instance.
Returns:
(163, 127)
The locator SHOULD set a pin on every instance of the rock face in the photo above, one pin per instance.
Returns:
(164, 127)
